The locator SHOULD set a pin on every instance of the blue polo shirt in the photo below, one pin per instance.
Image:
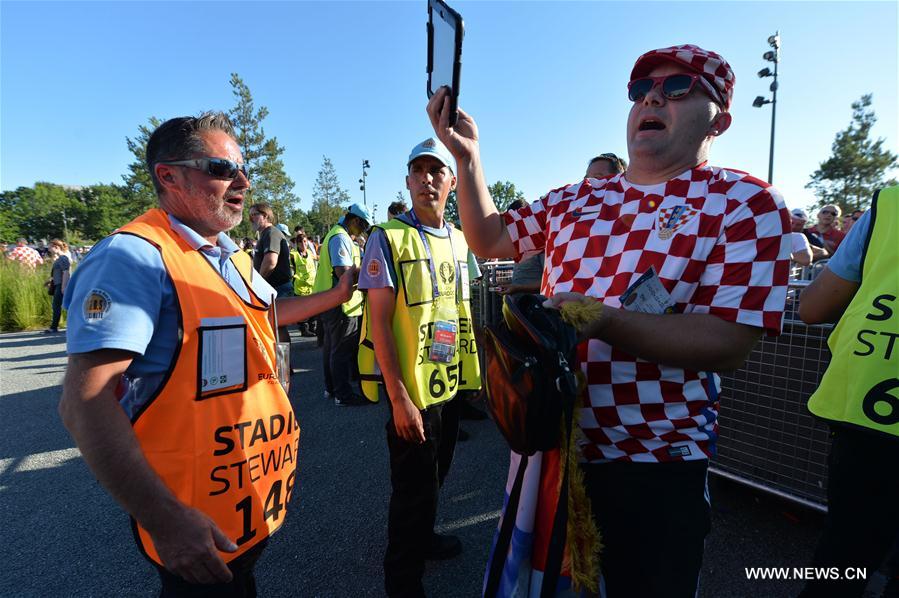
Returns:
(121, 297)
(847, 260)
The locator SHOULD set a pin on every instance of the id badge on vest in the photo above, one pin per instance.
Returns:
(222, 356)
(446, 332)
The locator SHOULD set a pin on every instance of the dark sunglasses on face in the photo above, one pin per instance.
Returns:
(219, 168)
(674, 87)
(831, 212)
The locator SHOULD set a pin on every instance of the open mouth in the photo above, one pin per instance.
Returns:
(651, 125)
(234, 201)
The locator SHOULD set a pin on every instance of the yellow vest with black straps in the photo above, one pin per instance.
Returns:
(861, 384)
(427, 382)
(324, 276)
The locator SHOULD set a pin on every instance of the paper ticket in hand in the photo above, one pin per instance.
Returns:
(648, 296)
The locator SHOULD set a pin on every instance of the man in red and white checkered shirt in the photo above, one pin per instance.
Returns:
(26, 255)
(718, 241)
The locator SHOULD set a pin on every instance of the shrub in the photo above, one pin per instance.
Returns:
(24, 302)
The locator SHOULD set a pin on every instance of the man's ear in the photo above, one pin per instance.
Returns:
(165, 175)
(453, 184)
(720, 124)
(408, 188)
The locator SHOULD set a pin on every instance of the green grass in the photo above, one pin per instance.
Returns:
(24, 302)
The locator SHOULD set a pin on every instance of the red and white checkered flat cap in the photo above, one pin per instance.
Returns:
(713, 68)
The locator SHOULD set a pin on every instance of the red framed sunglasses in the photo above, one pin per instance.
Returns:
(674, 87)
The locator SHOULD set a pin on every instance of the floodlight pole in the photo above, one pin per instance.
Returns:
(770, 56)
(773, 110)
(365, 167)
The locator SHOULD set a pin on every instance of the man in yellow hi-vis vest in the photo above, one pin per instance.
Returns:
(418, 342)
(341, 324)
(859, 396)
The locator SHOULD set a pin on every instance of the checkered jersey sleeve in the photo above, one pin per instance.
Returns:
(746, 275)
(527, 227)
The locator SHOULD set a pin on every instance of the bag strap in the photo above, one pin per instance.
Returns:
(501, 550)
(567, 386)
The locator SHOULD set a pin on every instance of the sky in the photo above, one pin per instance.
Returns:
(545, 82)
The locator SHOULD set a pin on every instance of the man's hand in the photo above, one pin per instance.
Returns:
(462, 138)
(406, 417)
(188, 545)
(347, 283)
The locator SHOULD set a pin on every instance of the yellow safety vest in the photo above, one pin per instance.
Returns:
(414, 317)
(861, 384)
(324, 277)
(304, 273)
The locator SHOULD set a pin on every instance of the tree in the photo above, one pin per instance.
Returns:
(451, 211)
(140, 195)
(857, 165)
(327, 198)
(263, 155)
(502, 192)
(103, 209)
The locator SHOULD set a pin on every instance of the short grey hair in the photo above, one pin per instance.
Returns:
(180, 139)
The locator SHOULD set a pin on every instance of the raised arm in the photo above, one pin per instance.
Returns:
(482, 224)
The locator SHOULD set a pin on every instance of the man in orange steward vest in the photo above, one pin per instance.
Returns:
(172, 391)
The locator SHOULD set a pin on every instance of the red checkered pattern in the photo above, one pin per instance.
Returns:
(710, 65)
(729, 256)
(27, 256)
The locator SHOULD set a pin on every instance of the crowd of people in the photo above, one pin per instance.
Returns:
(175, 375)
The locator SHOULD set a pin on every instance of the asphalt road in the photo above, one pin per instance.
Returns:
(62, 535)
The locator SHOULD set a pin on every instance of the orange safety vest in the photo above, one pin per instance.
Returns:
(229, 452)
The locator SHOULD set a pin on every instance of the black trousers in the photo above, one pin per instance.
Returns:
(862, 509)
(653, 518)
(57, 307)
(417, 472)
(243, 585)
(339, 352)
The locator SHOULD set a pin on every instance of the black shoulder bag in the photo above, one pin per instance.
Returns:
(530, 389)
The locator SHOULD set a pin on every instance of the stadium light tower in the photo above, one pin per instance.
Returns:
(365, 167)
(759, 101)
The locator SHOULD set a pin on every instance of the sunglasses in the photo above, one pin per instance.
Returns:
(219, 168)
(831, 212)
(674, 87)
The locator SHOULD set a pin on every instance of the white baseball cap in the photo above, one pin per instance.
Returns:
(432, 147)
(799, 213)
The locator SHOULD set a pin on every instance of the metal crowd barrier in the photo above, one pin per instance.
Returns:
(767, 437)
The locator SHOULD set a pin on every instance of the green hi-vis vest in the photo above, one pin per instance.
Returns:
(861, 384)
(414, 316)
(324, 276)
(303, 273)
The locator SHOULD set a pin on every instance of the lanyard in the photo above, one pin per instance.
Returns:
(424, 240)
